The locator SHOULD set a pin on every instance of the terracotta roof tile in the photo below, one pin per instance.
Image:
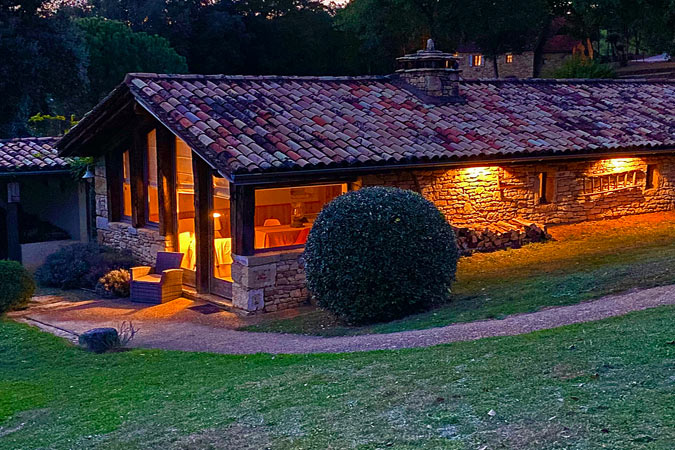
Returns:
(24, 154)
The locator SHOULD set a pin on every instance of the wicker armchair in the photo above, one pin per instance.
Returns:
(164, 285)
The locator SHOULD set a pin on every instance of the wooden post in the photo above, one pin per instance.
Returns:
(166, 179)
(13, 242)
(203, 222)
(139, 195)
(242, 216)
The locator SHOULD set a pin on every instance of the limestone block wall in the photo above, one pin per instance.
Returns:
(472, 197)
(521, 67)
(269, 282)
(144, 243)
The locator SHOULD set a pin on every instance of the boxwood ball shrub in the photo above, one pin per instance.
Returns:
(16, 286)
(379, 254)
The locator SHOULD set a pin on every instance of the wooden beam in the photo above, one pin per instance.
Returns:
(203, 223)
(242, 217)
(113, 174)
(139, 194)
(13, 240)
(166, 179)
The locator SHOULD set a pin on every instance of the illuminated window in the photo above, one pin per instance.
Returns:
(283, 217)
(509, 58)
(126, 185)
(651, 177)
(476, 60)
(222, 234)
(151, 177)
(185, 205)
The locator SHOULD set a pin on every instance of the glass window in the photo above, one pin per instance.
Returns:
(126, 185)
(509, 58)
(153, 192)
(222, 233)
(185, 205)
(476, 60)
(283, 217)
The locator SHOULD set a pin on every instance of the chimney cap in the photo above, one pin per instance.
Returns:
(429, 58)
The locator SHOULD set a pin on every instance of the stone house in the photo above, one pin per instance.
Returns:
(232, 170)
(42, 207)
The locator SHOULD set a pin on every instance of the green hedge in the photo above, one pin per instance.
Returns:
(16, 286)
(379, 254)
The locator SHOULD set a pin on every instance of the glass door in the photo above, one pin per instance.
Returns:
(185, 205)
(221, 277)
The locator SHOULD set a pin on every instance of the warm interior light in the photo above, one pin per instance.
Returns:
(216, 215)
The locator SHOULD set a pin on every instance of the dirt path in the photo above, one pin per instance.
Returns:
(190, 336)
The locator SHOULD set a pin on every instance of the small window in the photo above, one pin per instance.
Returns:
(546, 188)
(126, 185)
(509, 58)
(652, 177)
(476, 60)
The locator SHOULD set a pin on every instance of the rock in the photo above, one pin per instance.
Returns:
(100, 340)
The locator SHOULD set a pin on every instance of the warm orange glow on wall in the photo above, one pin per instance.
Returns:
(475, 172)
(620, 163)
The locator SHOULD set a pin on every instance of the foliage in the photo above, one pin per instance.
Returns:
(16, 286)
(580, 67)
(43, 66)
(81, 265)
(115, 50)
(48, 125)
(114, 284)
(79, 166)
(378, 254)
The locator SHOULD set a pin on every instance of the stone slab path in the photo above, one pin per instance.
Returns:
(191, 336)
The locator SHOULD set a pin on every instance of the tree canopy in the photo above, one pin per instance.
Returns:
(59, 57)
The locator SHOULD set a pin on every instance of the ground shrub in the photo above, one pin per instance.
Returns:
(578, 67)
(16, 286)
(81, 265)
(114, 284)
(379, 254)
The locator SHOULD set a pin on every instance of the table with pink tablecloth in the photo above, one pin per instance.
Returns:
(280, 236)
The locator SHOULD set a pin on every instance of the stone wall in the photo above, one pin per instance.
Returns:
(473, 197)
(270, 281)
(521, 67)
(144, 243)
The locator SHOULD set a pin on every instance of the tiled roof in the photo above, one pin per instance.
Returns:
(23, 154)
(263, 124)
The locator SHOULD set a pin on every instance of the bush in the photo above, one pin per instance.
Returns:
(81, 265)
(114, 284)
(379, 254)
(578, 67)
(16, 286)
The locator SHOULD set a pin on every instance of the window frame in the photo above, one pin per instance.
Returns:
(476, 60)
(123, 217)
(146, 180)
(546, 188)
(652, 176)
(508, 59)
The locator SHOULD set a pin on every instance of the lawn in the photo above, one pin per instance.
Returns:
(586, 261)
(603, 384)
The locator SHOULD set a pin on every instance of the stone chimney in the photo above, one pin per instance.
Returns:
(432, 71)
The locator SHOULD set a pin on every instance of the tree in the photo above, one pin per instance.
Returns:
(43, 65)
(115, 50)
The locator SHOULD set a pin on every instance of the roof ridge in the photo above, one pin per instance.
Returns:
(30, 138)
(566, 81)
(196, 76)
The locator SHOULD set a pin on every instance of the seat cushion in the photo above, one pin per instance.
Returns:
(151, 278)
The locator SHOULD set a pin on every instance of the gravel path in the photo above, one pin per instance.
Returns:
(189, 336)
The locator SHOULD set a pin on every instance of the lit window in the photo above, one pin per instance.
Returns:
(126, 185)
(284, 216)
(476, 60)
(509, 58)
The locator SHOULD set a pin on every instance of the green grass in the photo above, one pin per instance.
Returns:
(588, 261)
(605, 384)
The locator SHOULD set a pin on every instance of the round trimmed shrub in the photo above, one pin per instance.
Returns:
(379, 254)
(16, 286)
(114, 284)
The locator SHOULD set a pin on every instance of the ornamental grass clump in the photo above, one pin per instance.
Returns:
(114, 284)
(16, 286)
(379, 254)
